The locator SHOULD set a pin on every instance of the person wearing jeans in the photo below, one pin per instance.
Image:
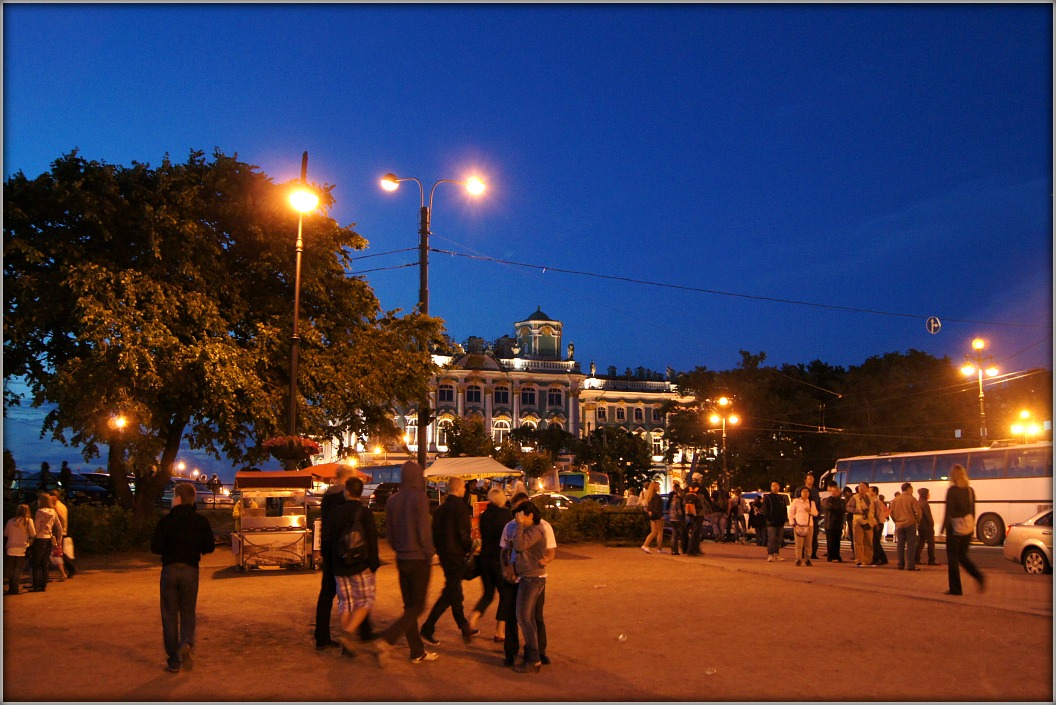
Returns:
(905, 511)
(181, 537)
(529, 543)
(776, 516)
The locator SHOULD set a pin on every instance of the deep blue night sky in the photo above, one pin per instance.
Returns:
(895, 158)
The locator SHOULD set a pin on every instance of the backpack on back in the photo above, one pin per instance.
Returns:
(353, 546)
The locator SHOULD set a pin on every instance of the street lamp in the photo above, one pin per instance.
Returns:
(976, 365)
(733, 420)
(1025, 427)
(390, 182)
(115, 456)
(303, 201)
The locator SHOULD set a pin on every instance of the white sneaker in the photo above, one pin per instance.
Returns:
(646, 549)
(427, 656)
(770, 558)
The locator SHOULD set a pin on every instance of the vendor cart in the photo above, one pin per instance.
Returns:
(271, 523)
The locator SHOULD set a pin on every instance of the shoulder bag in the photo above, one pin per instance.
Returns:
(964, 526)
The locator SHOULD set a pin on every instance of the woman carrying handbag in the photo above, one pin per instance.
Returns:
(959, 524)
(801, 513)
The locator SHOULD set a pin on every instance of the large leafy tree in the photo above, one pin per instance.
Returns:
(166, 294)
(624, 456)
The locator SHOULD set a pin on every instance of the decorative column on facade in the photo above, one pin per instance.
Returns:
(573, 408)
(489, 402)
(515, 390)
(460, 399)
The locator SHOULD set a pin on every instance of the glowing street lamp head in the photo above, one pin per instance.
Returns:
(991, 371)
(1024, 414)
(968, 370)
(303, 200)
(1017, 428)
(724, 401)
(475, 186)
(734, 419)
(377, 450)
(978, 344)
(389, 182)
(715, 418)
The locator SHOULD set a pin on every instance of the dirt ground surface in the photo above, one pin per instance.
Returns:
(725, 626)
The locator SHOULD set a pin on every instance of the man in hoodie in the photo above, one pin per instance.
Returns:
(181, 537)
(409, 532)
(451, 537)
(324, 605)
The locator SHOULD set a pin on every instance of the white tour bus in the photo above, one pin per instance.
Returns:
(1012, 482)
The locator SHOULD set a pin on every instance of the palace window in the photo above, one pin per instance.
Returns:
(621, 413)
(502, 395)
(500, 431)
(553, 397)
(657, 416)
(603, 414)
(639, 414)
(446, 393)
(473, 394)
(528, 396)
(658, 443)
(442, 428)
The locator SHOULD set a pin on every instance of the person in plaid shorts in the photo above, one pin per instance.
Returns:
(355, 579)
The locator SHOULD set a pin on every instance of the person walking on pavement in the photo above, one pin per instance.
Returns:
(353, 574)
(815, 497)
(451, 537)
(776, 515)
(408, 530)
(181, 538)
(676, 514)
(905, 512)
(324, 604)
(926, 529)
(695, 517)
(654, 507)
(493, 520)
(529, 545)
(958, 524)
(18, 536)
(48, 535)
(833, 507)
(512, 642)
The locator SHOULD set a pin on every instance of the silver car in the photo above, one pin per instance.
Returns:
(1030, 543)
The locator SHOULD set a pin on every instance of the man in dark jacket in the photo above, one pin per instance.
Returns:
(776, 507)
(833, 506)
(332, 500)
(451, 536)
(181, 537)
(927, 528)
(408, 531)
(354, 576)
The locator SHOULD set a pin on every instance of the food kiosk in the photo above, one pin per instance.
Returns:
(271, 522)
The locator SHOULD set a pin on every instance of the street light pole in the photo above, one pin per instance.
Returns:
(734, 420)
(390, 182)
(303, 201)
(974, 365)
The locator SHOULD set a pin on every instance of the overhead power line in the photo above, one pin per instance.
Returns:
(716, 292)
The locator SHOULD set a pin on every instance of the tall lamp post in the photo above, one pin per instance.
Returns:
(1025, 427)
(978, 364)
(390, 182)
(733, 420)
(303, 201)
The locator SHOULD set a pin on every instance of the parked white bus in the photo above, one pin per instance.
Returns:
(1012, 482)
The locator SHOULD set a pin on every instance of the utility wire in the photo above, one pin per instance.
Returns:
(382, 254)
(716, 292)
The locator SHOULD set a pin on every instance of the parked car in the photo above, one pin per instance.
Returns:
(82, 490)
(381, 494)
(552, 500)
(1030, 543)
(609, 500)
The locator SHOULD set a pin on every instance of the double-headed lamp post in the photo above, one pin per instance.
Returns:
(303, 201)
(733, 420)
(977, 363)
(390, 182)
(1025, 427)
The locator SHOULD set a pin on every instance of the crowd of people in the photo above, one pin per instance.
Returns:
(516, 545)
(858, 515)
(38, 536)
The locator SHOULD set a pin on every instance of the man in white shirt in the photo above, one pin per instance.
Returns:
(512, 643)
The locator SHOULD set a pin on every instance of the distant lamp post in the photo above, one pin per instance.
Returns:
(115, 456)
(725, 418)
(390, 182)
(1025, 427)
(978, 364)
(180, 467)
(303, 201)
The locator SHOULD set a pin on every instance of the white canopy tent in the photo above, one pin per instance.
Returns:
(469, 468)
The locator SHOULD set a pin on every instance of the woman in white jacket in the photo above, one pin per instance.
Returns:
(802, 512)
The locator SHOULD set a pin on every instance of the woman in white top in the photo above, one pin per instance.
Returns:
(48, 534)
(801, 513)
(18, 534)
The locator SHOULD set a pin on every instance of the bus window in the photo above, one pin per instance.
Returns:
(918, 469)
(887, 470)
(1033, 462)
(987, 465)
(945, 461)
(571, 483)
(859, 471)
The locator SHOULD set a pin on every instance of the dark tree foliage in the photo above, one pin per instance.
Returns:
(166, 294)
(467, 437)
(624, 456)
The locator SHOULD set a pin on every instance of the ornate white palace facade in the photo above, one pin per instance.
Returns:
(532, 379)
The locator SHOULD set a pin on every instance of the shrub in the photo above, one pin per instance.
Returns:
(108, 529)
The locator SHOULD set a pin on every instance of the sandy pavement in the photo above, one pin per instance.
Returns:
(726, 626)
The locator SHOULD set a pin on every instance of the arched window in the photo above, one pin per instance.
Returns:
(658, 443)
(474, 394)
(502, 396)
(443, 426)
(603, 414)
(639, 414)
(621, 413)
(554, 397)
(446, 393)
(528, 396)
(411, 432)
(500, 431)
(529, 425)
(555, 424)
